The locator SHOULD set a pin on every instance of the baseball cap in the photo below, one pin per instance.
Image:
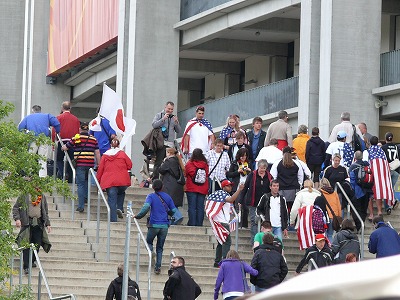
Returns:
(341, 134)
(225, 183)
(319, 237)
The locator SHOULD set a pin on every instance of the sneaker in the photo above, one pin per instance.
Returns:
(389, 211)
(157, 271)
(34, 265)
(396, 203)
(119, 214)
(80, 209)
(216, 265)
(26, 271)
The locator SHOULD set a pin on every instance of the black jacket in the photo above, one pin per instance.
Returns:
(264, 208)
(271, 266)
(251, 195)
(250, 154)
(234, 175)
(180, 285)
(315, 151)
(322, 258)
(261, 140)
(345, 242)
(115, 288)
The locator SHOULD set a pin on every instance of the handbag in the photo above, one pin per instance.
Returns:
(246, 288)
(394, 165)
(336, 220)
(74, 161)
(181, 180)
(175, 218)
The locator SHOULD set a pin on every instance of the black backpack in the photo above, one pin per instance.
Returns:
(364, 176)
(132, 290)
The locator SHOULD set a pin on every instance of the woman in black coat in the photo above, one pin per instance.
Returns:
(170, 170)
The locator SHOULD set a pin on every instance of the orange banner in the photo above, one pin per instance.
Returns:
(79, 29)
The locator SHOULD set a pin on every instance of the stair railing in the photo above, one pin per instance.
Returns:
(129, 217)
(350, 204)
(100, 194)
(42, 275)
(311, 264)
(67, 159)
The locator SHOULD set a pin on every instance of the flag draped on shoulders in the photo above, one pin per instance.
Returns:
(190, 124)
(305, 232)
(111, 108)
(214, 204)
(382, 188)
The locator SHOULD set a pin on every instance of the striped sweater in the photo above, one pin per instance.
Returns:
(84, 146)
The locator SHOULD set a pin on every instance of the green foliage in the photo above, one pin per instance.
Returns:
(19, 171)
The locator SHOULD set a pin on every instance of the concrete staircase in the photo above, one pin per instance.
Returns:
(77, 264)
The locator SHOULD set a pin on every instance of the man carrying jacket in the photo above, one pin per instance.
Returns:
(180, 285)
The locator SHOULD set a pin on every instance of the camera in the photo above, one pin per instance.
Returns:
(170, 116)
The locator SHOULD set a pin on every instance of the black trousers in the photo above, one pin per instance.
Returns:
(36, 235)
(160, 155)
(361, 206)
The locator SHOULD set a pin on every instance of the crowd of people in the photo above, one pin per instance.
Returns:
(287, 182)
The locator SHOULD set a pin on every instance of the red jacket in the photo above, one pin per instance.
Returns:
(113, 169)
(190, 170)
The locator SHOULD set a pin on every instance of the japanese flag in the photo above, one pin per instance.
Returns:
(111, 108)
(94, 125)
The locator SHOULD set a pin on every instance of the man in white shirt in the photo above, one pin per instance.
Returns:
(272, 207)
(336, 147)
(270, 153)
(198, 133)
(345, 126)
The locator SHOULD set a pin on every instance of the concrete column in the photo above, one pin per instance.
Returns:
(153, 60)
(278, 68)
(349, 62)
(257, 68)
(309, 62)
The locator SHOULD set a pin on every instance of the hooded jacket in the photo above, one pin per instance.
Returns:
(271, 266)
(113, 169)
(181, 286)
(190, 168)
(345, 242)
(333, 199)
(115, 289)
(230, 274)
(299, 144)
(315, 151)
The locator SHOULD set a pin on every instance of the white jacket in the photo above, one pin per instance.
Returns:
(303, 198)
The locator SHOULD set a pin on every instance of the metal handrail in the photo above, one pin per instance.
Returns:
(311, 263)
(129, 216)
(358, 216)
(68, 159)
(100, 194)
(236, 229)
(42, 275)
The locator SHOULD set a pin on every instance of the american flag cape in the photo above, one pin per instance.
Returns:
(189, 126)
(382, 188)
(305, 232)
(214, 204)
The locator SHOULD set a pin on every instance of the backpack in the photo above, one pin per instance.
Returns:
(199, 177)
(318, 223)
(364, 176)
(357, 142)
(132, 290)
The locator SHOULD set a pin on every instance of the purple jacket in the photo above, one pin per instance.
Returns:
(230, 274)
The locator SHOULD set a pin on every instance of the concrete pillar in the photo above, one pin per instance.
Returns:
(278, 68)
(349, 62)
(214, 86)
(257, 68)
(153, 59)
(309, 62)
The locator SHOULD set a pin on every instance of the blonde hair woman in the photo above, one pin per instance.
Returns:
(305, 197)
(171, 169)
(333, 199)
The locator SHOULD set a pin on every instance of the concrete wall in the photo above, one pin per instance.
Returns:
(12, 14)
(155, 55)
(350, 62)
(257, 67)
(215, 85)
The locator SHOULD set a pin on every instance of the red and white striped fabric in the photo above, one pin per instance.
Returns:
(382, 181)
(214, 204)
(305, 232)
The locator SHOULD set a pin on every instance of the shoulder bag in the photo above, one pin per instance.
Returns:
(74, 161)
(175, 218)
(336, 220)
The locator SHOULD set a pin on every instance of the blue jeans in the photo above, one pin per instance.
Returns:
(161, 234)
(253, 222)
(195, 208)
(82, 183)
(330, 230)
(116, 197)
(278, 232)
